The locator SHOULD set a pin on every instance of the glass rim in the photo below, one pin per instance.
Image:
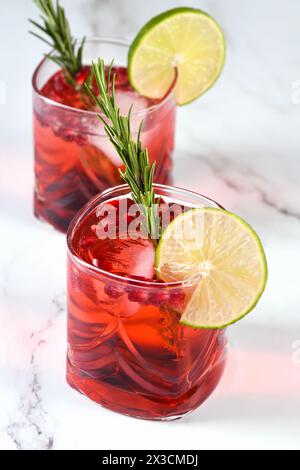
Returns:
(94, 39)
(115, 277)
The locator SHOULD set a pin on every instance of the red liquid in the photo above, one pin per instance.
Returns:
(126, 347)
(73, 158)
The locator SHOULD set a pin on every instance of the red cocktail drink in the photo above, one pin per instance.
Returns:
(74, 159)
(126, 347)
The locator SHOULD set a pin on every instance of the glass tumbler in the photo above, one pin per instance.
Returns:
(74, 159)
(126, 347)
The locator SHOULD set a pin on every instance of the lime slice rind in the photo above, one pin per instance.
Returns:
(230, 259)
(186, 38)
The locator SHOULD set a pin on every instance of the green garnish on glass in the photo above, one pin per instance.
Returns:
(54, 30)
(139, 172)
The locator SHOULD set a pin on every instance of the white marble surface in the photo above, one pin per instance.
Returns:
(239, 144)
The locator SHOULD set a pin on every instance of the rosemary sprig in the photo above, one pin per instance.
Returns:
(138, 172)
(56, 33)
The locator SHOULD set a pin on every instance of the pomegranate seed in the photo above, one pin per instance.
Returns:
(176, 299)
(138, 295)
(82, 75)
(158, 298)
(113, 291)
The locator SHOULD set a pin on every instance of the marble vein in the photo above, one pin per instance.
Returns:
(230, 174)
(30, 427)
